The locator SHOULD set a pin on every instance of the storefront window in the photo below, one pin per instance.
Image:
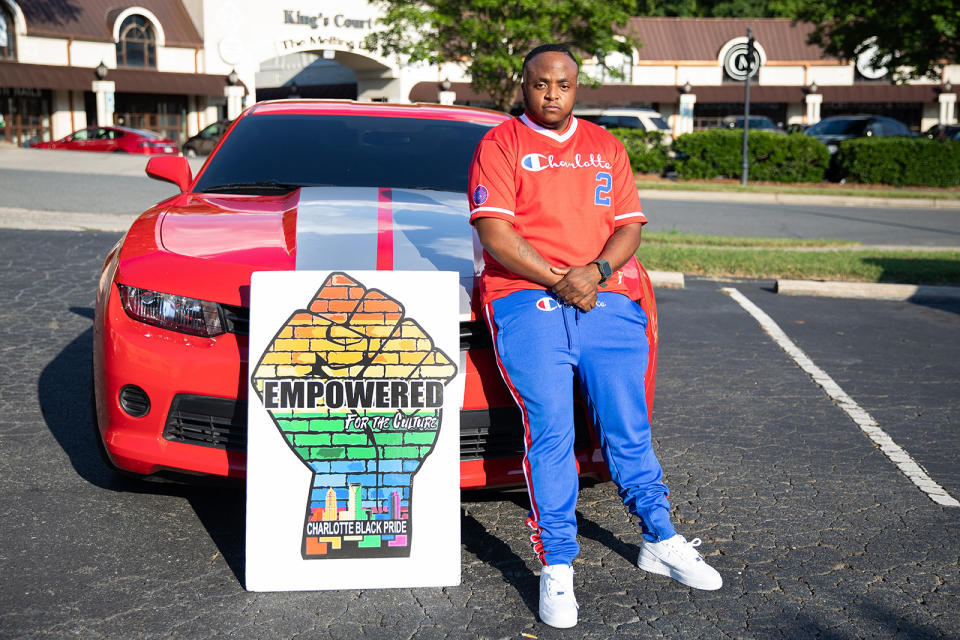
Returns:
(622, 66)
(7, 36)
(137, 46)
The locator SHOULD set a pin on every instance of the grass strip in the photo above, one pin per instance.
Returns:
(806, 189)
(894, 266)
(691, 239)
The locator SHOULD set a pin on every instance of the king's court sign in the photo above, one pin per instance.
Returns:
(353, 436)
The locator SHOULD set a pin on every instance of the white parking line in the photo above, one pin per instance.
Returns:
(867, 424)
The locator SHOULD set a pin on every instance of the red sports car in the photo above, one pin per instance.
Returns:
(115, 140)
(295, 185)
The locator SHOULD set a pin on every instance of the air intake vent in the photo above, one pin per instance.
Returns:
(134, 400)
(207, 421)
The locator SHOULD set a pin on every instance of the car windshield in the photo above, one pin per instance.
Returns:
(755, 123)
(145, 133)
(837, 127)
(278, 150)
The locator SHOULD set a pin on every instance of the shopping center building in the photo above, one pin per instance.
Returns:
(175, 66)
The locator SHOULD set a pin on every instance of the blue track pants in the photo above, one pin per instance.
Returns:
(541, 345)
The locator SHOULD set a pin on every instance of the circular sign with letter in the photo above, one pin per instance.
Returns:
(865, 62)
(738, 64)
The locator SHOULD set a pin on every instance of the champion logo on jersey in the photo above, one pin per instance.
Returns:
(538, 162)
(547, 303)
(480, 195)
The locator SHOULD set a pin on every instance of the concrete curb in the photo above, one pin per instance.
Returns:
(666, 279)
(795, 198)
(865, 290)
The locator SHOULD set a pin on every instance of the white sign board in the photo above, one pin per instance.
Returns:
(353, 431)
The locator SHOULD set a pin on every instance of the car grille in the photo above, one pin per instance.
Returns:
(235, 319)
(222, 423)
(498, 433)
(208, 422)
(474, 335)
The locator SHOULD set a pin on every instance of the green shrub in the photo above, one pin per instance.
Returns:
(899, 161)
(774, 157)
(645, 148)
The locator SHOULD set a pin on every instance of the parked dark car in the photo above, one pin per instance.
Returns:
(757, 123)
(835, 129)
(943, 132)
(204, 142)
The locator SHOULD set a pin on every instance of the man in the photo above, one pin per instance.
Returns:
(555, 207)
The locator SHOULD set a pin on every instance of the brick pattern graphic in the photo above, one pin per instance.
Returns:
(363, 460)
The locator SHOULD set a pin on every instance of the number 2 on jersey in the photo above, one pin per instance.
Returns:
(604, 184)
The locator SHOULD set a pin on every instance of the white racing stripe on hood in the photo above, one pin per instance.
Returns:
(337, 229)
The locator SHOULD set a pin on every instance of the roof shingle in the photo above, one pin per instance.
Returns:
(93, 19)
(701, 39)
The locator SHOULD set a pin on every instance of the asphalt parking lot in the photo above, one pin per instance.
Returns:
(815, 530)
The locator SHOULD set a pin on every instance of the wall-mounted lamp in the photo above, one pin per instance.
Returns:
(101, 70)
(687, 87)
(445, 85)
(233, 78)
(948, 87)
(813, 88)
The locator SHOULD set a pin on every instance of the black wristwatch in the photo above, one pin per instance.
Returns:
(605, 270)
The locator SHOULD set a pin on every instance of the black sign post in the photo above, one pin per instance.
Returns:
(745, 163)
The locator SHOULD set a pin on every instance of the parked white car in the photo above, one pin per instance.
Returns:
(645, 119)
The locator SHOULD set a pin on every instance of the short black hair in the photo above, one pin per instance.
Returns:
(545, 48)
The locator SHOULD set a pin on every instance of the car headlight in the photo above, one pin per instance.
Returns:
(169, 311)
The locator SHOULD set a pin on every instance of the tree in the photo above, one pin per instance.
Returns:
(491, 37)
(917, 35)
(721, 8)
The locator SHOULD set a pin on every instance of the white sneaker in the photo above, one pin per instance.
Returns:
(558, 606)
(679, 559)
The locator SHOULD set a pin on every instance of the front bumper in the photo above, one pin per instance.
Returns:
(197, 390)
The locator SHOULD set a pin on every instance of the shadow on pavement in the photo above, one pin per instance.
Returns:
(493, 551)
(64, 399)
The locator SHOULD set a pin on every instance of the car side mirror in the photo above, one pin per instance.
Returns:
(173, 169)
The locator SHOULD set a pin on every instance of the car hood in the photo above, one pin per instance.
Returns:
(326, 228)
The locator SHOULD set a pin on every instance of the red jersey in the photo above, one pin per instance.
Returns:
(565, 193)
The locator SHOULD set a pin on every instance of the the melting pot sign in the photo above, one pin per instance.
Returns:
(353, 457)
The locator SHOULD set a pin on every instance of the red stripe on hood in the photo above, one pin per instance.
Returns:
(385, 230)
